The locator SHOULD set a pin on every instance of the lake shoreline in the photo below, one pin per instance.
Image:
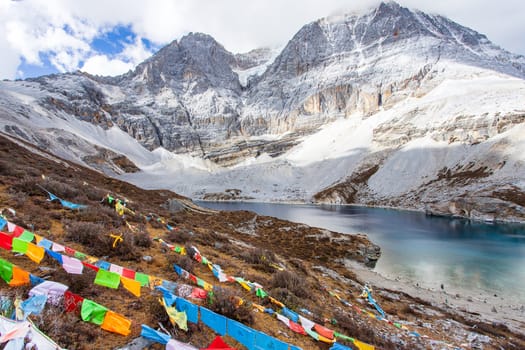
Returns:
(477, 305)
(422, 211)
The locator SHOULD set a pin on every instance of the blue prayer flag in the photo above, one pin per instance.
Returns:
(214, 321)
(156, 336)
(192, 310)
(241, 333)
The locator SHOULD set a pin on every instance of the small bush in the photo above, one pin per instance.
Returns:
(98, 241)
(286, 297)
(93, 193)
(86, 233)
(179, 236)
(292, 282)
(183, 261)
(67, 329)
(100, 214)
(155, 310)
(27, 185)
(80, 284)
(34, 217)
(143, 240)
(62, 189)
(259, 258)
(359, 329)
(224, 302)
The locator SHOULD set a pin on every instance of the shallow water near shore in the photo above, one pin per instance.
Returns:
(462, 255)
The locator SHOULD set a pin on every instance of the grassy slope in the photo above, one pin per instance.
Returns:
(235, 240)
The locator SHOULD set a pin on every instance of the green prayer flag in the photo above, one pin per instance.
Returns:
(107, 279)
(92, 312)
(142, 278)
(342, 336)
(178, 249)
(261, 293)
(6, 270)
(312, 334)
(27, 236)
(204, 261)
(200, 282)
(19, 246)
(80, 256)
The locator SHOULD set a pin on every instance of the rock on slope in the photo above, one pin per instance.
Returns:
(432, 111)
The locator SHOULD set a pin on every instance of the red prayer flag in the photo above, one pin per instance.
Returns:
(198, 293)
(296, 327)
(70, 251)
(218, 343)
(325, 332)
(6, 241)
(91, 266)
(128, 273)
(72, 301)
(193, 278)
(18, 231)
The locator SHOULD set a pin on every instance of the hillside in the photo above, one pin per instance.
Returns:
(243, 243)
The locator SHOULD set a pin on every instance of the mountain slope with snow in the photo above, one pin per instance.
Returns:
(388, 107)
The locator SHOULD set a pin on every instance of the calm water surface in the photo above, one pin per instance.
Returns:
(462, 255)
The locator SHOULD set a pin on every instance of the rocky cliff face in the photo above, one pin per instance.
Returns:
(407, 75)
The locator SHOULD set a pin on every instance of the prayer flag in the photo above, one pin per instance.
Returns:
(107, 279)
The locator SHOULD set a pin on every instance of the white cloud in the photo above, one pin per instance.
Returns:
(102, 65)
(30, 28)
(131, 56)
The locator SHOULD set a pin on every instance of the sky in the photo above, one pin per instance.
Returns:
(110, 37)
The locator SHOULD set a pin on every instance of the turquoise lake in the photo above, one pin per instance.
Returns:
(462, 255)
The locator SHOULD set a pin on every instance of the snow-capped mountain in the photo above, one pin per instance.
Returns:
(388, 107)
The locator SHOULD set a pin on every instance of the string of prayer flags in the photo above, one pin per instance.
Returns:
(56, 293)
(63, 202)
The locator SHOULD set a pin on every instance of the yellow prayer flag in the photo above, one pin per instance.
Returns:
(363, 346)
(154, 281)
(326, 340)
(258, 307)
(245, 285)
(38, 238)
(131, 285)
(176, 318)
(208, 287)
(276, 302)
(20, 277)
(116, 323)
(35, 252)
